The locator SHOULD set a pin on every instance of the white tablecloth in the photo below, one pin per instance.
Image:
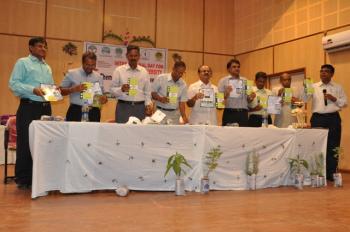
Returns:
(78, 157)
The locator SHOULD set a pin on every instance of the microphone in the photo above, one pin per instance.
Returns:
(325, 99)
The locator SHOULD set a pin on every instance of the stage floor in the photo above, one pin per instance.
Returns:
(274, 209)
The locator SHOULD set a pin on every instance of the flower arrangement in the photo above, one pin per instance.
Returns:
(70, 49)
(252, 163)
(211, 159)
(127, 39)
(338, 154)
(297, 165)
(175, 162)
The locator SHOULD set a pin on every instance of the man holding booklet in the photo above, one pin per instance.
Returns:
(84, 87)
(201, 98)
(27, 76)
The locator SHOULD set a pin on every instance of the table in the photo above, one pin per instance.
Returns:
(74, 157)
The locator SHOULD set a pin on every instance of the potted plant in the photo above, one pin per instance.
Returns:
(313, 175)
(297, 167)
(211, 162)
(252, 169)
(176, 162)
(338, 154)
(319, 160)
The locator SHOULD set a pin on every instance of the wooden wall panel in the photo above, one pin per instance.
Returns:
(307, 52)
(22, 17)
(341, 62)
(180, 24)
(12, 48)
(75, 19)
(253, 62)
(60, 62)
(219, 26)
(136, 17)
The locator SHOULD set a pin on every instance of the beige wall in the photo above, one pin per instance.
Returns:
(282, 35)
(266, 35)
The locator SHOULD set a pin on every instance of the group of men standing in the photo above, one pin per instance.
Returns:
(132, 87)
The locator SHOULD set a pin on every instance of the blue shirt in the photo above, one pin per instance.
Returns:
(160, 86)
(76, 77)
(28, 73)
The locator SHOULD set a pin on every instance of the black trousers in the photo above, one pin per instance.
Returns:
(256, 120)
(239, 116)
(125, 109)
(332, 122)
(27, 112)
(74, 114)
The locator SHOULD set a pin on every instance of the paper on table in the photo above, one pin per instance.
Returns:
(158, 116)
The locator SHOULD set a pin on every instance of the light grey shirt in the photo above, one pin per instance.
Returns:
(233, 103)
(160, 86)
(121, 76)
(76, 77)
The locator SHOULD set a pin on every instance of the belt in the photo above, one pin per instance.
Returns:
(327, 114)
(236, 110)
(79, 106)
(28, 101)
(161, 108)
(131, 102)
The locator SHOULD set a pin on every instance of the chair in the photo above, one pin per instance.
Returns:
(9, 144)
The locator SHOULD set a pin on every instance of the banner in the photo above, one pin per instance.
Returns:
(111, 56)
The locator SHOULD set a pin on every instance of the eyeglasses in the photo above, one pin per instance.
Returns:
(325, 70)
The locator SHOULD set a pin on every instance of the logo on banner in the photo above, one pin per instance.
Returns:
(105, 50)
(145, 55)
(92, 48)
(158, 56)
(118, 52)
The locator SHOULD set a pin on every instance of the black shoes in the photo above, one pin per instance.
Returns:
(24, 186)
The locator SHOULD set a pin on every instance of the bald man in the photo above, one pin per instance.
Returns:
(286, 118)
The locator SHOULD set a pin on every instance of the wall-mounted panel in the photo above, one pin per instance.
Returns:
(22, 17)
(219, 26)
(75, 19)
(180, 24)
(131, 18)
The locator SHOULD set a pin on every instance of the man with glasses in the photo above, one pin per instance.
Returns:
(80, 80)
(170, 93)
(201, 98)
(327, 100)
(27, 75)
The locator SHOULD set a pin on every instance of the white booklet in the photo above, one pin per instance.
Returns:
(208, 99)
(274, 105)
(237, 88)
(51, 92)
(158, 116)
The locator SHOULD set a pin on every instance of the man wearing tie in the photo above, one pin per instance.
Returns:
(327, 100)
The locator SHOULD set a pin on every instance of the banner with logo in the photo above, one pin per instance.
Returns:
(111, 56)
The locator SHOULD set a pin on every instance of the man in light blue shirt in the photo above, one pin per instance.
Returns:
(27, 75)
(169, 91)
(75, 83)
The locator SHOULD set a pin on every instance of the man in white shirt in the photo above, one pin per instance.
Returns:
(327, 100)
(169, 91)
(258, 106)
(201, 97)
(132, 87)
(285, 118)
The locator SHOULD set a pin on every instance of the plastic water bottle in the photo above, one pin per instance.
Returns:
(85, 113)
(265, 122)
